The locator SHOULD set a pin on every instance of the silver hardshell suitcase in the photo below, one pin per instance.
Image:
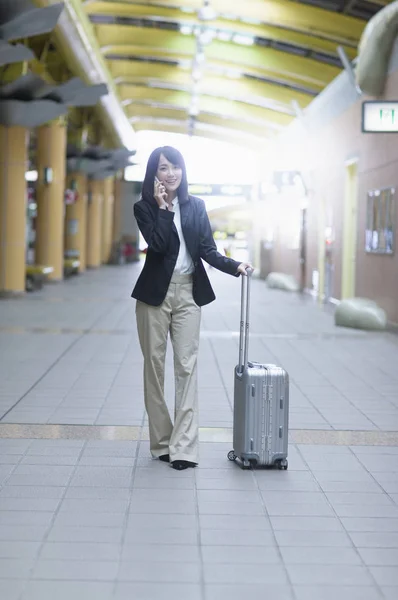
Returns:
(261, 403)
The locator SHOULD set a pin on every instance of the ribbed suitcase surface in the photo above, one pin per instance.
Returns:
(261, 403)
(261, 415)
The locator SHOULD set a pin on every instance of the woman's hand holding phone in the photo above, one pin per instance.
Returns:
(159, 193)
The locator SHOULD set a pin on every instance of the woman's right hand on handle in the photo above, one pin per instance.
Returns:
(160, 195)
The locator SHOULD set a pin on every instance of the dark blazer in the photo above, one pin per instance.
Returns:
(157, 227)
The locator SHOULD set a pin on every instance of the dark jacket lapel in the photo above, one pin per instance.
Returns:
(185, 208)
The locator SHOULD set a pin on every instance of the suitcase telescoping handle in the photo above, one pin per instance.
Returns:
(244, 320)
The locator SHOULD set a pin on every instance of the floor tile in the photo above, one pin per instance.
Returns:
(149, 591)
(78, 590)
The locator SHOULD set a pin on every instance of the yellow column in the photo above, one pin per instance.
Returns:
(107, 219)
(51, 148)
(76, 220)
(117, 209)
(13, 208)
(94, 223)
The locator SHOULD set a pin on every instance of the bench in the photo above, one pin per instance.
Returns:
(35, 276)
(71, 266)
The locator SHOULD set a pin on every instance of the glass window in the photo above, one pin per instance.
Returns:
(380, 222)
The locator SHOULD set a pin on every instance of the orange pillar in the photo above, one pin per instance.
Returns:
(51, 149)
(117, 209)
(13, 208)
(107, 219)
(94, 223)
(76, 220)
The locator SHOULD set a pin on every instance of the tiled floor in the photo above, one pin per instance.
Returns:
(85, 514)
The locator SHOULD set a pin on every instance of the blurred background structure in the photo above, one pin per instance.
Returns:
(284, 111)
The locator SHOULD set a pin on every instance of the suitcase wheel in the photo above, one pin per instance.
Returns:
(282, 464)
(231, 455)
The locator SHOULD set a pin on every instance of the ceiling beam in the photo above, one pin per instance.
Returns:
(210, 132)
(223, 26)
(123, 67)
(117, 40)
(218, 106)
(142, 112)
(279, 13)
(243, 90)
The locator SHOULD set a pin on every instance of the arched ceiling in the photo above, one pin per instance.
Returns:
(235, 76)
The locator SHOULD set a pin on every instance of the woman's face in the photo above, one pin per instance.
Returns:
(168, 174)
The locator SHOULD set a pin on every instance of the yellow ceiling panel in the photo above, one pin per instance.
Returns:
(239, 110)
(126, 68)
(181, 100)
(276, 62)
(172, 41)
(201, 130)
(280, 13)
(144, 73)
(162, 125)
(140, 112)
(247, 91)
(238, 125)
(143, 111)
(155, 95)
(175, 15)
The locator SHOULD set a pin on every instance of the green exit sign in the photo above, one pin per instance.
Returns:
(380, 117)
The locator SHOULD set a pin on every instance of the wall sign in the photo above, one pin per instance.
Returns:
(379, 117)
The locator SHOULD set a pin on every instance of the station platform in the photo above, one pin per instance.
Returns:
(86, 514)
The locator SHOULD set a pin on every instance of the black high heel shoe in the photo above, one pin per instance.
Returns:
(181, 465)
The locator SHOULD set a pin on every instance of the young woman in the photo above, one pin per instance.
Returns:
(170, 290)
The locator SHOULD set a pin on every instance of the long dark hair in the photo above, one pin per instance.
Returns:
(175, 157)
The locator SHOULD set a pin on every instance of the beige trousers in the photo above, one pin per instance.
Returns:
(179, 315)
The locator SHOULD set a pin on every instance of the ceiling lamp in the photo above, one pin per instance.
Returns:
(244, 40)
(193, 109)
(196, 72)
(205, 36)
(186, 29)
(224, 36)
(207, 12)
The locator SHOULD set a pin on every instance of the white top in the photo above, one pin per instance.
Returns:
(184, 262)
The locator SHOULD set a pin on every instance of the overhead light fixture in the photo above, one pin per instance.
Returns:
(196, 73)
(207, 12)
(250, 21)
(200, 57)
(193, 111)
(186, 29)
(230, 17)
(233, 74)
(224, 36)
(195, 92)
(244, 40)
(184, 63)
(205, 36)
